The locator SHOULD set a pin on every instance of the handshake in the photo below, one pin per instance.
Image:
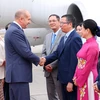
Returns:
(42, 61)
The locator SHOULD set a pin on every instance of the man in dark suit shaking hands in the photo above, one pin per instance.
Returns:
(19, 57)
(66, 52)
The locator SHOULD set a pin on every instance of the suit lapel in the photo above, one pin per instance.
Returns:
(57, 38)
(14, 24)
(67, 42)
(69, 37)
(62, 45)
(49, 41)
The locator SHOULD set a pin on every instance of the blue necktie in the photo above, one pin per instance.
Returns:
(53, 39)
(65, 38)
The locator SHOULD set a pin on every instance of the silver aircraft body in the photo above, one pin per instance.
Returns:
(41, 9)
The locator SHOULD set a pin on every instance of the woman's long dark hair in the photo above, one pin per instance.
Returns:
(92, 25)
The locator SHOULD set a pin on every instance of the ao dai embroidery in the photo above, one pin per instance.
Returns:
(81, 63)
(86, 69)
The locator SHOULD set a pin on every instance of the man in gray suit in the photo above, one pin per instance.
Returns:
(50, 44)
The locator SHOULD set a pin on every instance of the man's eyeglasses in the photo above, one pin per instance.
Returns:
(64, 23)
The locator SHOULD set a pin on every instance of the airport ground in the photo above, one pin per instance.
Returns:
(38, 86)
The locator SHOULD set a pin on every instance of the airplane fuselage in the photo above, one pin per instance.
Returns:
(41, 9)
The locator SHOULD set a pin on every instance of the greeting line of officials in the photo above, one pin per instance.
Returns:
(86, 66)
(19, 58)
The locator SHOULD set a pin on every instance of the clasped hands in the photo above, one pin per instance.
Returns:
(47, 67)
(42, 61)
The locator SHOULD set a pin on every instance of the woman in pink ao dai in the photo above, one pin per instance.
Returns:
(86, 70)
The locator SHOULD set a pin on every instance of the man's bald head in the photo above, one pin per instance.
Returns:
(20, 13)
(23, 17)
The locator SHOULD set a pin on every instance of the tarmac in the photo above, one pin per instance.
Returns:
(38, 86)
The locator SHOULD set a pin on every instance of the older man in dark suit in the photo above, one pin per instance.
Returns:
(66, 52)
(19, 57)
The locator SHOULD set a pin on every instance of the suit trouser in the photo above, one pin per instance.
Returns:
(19, 91)
(6, 91)
(53, 88)
(69, 95)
